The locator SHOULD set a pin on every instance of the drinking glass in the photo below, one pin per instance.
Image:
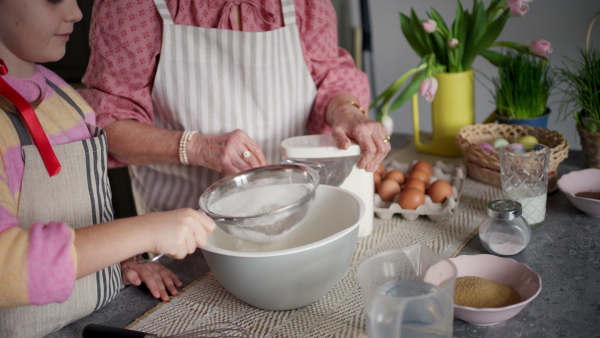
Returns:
(408, 293)
(524, 176)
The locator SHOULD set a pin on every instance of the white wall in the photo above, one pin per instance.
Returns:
(562, 22)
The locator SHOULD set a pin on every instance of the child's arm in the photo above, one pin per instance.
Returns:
(175, 233)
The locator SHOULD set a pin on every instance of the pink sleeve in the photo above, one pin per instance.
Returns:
(51, 265)
(38, 266)
(125, 42)
(331, 66)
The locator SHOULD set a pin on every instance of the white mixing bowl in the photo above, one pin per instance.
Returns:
(298, 269)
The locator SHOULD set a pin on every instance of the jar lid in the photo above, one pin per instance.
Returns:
(504, 209)
(316, 146)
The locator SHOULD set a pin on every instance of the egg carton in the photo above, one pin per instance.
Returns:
(452, 173)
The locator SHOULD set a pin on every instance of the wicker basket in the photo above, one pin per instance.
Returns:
(590, 144)
(484, 164)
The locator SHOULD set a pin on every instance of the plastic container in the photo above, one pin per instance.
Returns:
(504, 232)
(339, 168)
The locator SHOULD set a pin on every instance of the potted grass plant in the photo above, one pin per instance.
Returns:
(522, 89)
(582, 100)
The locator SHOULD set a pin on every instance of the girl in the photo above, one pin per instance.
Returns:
(55, 267)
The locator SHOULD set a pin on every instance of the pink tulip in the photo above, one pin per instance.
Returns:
(540, 47)
(429, 26)
(428, 88)
(388, 123)
(453, 43)
(518, 8)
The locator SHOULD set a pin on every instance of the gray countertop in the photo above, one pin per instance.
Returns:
(565, 251)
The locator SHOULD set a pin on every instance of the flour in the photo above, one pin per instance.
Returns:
(505, 244)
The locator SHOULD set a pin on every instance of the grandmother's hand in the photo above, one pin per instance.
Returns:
(349, 123)
(229, 153)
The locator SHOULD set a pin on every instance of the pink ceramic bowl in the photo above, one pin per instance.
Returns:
(500, 270)
(580, 181)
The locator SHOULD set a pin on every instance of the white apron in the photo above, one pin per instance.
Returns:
(215, 81)
(43, 199)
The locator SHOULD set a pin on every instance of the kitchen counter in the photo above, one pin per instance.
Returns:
(565, 251)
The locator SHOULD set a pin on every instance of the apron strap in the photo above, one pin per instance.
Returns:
(163, 10)
(65, 97)
(289, 12)
(23, 134)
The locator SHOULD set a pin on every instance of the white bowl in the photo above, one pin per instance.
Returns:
(500, 270)
(580, 181)
(301, 267)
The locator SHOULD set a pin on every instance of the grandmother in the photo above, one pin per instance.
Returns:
(189, 91)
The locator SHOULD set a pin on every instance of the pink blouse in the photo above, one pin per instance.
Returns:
(126, 41)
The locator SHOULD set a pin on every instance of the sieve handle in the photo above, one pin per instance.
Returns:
(140, 259)
(103, 331)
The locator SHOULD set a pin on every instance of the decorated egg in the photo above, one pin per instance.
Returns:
(500, 142)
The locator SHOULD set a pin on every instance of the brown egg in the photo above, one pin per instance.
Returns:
(376, 178)
(423, 165)
(419, 175)
(415, 183)
(439, 190)
(388, 189)
(381, 170)
(411, 198)
(395, 175)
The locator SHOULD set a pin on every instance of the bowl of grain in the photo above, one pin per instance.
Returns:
(491, 289)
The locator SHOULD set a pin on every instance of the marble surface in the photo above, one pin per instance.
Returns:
(565, 251)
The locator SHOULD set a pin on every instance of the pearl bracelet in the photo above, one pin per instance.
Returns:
(185, 137)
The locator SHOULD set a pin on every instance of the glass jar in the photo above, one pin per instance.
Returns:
(504, 232)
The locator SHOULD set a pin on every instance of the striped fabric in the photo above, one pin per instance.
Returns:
(216, 81)
(44, 200)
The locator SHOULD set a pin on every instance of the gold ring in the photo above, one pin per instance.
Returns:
(246, 154)
(386, 138)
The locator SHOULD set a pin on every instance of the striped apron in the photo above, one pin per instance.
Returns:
(45, 199)
(218, 80)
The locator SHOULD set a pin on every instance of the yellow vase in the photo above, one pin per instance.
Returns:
(452, 109)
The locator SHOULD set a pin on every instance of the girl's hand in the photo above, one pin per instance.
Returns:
(177, 233)
(350, 124)
(226, 152)
(157, 278)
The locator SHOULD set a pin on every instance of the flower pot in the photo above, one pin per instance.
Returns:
(539, 121)
(590, 145)
(452, 109)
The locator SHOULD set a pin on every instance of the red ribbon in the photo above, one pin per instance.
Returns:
(33, 124)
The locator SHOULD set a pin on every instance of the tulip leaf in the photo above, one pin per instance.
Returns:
(413, 35)
(495, 58)
(408, 92)
(441, 24)
(423, 36)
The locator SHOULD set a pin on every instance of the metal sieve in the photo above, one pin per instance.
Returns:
(261, 204)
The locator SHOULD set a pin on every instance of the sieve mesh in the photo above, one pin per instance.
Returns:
(262, 204)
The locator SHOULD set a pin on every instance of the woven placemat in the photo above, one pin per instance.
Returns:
(340, 312)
